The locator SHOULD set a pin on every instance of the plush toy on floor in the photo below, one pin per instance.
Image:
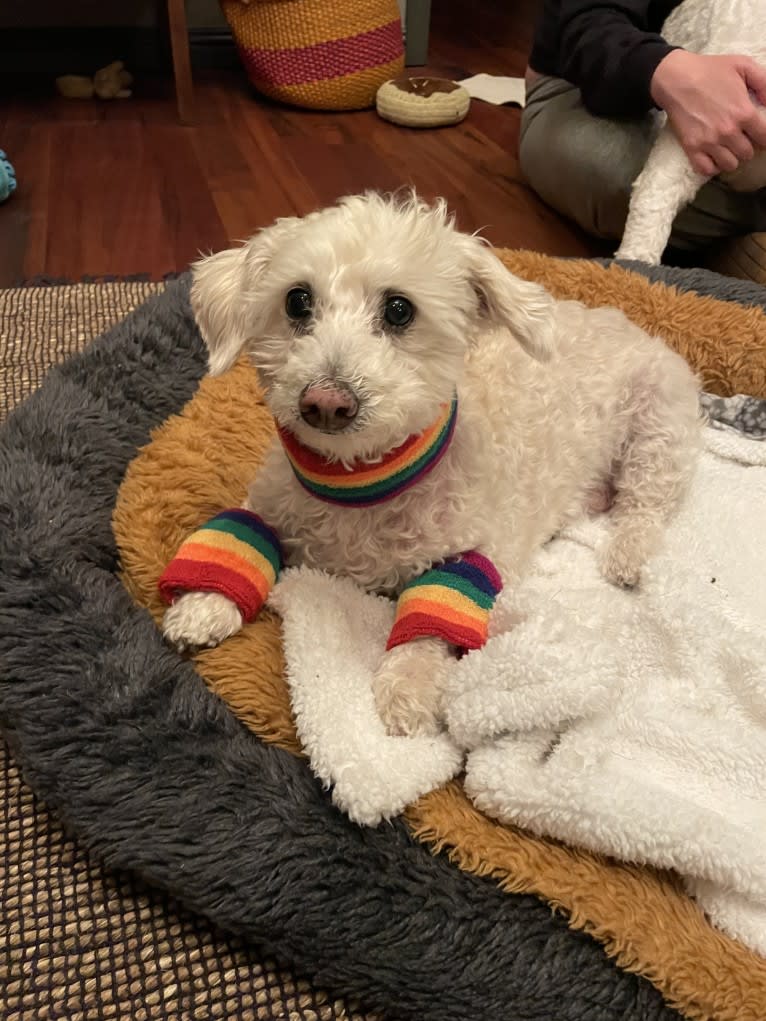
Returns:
(7, 177)
(668, 181)
(111, 82)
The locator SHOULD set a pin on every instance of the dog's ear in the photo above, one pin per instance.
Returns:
(525, 308)
(217, 300)
(222, 291)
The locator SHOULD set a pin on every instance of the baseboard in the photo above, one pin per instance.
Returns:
(82, 50)
(213, 48)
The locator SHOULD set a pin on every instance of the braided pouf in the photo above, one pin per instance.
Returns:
(324, 56)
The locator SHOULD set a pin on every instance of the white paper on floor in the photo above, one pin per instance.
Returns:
(496, 89)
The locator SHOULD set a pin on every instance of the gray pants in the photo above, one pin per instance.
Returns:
(584, 166)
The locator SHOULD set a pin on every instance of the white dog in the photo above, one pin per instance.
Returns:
(364, 320)
(668, 182)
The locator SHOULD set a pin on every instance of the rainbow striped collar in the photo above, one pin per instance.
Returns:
(365, 484)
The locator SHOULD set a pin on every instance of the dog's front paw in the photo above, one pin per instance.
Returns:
(408, 687)
(200, 620)
(620, 562)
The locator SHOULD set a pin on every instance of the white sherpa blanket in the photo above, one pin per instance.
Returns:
(630, 723)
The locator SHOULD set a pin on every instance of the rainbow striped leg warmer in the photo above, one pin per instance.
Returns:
(451, 601)
(235, 554)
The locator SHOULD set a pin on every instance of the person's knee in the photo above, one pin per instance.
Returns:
(717, 213)
(749, 176)
(572, 165)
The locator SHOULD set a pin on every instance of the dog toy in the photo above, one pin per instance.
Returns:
(362, 485)
(451, 601)
(422, 102)
(235, 554)
(7, 177)
(111, 82)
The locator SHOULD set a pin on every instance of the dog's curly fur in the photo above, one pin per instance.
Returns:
(668, 182)
(561, 408)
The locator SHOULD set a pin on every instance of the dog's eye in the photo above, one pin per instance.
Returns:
(299, 303)
(398, 311)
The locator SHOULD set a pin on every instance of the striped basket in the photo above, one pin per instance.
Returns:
(320, 54)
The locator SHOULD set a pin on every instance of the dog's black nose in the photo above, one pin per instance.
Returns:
(331, 409)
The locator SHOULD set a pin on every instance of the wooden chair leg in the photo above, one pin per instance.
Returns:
(417, 29)
(179, 45)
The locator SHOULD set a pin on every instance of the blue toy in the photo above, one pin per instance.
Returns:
(7, 177)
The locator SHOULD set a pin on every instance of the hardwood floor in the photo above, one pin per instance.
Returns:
(122, 187)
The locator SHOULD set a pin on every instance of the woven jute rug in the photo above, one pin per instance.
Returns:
(79, 942)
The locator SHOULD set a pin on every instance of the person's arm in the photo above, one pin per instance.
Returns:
(607, 51)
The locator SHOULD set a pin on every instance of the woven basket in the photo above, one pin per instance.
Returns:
(743, 257)
(320, 54)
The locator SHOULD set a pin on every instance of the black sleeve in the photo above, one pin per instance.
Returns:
(607, 50)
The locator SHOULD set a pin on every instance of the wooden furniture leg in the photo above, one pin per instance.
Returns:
(417, 29)
(179, 45)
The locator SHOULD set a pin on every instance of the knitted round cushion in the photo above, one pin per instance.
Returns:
(422, 102)
(325, 56)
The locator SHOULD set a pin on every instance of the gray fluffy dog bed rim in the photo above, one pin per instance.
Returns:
(154, 774)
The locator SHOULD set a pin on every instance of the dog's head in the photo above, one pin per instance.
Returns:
(359, 318)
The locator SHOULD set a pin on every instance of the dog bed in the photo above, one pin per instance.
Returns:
(66, 916)
(156, 773)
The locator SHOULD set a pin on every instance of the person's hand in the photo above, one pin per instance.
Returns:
(711, 103)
